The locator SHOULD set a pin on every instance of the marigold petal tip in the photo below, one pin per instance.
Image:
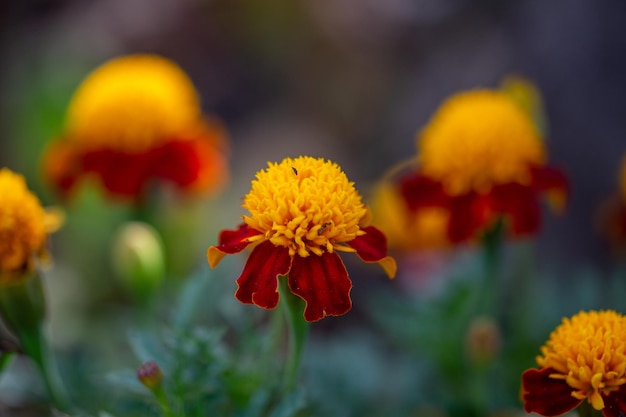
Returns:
(214, 256)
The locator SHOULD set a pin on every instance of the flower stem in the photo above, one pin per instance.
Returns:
(161, 397)
(23, 306)
(492, 249)
(298, 332)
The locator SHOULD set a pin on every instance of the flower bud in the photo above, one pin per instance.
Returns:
(150, 375)
(482, 340)
(138, 259)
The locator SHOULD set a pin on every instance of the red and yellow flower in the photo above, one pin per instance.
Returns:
(134, 120)
(302, 212)
(24, 227)
(584, 360)
(481, 158)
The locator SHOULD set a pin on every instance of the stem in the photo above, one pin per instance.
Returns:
(491, 245)
(298, 332)
(23, 308)
(36, 347)
(161, 397)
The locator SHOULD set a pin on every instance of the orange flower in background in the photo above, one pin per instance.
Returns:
(302, 212)
(584, 360)
(481, 158)
(24, 227)
(134, 120)
(406, 230)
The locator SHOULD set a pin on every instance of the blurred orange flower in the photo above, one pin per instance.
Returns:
(133, 120)
(24, 227)
(481, 158)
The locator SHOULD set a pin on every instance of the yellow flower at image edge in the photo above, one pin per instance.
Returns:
(302, 212)
(133, 120)
(584, 360)
(24, 226)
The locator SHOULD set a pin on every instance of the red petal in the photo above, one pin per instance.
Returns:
(547, 178)
(323, 282)
(553, 183)
(230, 242)
(469, 215)
(121, 174)
(421, 191)
(258, 282)
(234, 241)
(544, 395)
(615, 403)
(372, 246)
(177, 161)
(519, 204)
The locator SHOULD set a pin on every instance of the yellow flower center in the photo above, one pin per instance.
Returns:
(587, 351)
(305, 204)
(132, 103)
(478, 139)
(22, 223)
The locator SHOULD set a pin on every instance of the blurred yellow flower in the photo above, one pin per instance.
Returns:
(478, 139)
(24, 226)
(133, 120)
(481, 158)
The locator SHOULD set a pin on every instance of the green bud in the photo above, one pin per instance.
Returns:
(138, 259)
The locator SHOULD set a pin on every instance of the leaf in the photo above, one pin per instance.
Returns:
(126, 380)
(147, 347)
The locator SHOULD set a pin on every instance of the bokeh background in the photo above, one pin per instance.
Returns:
(345, 79)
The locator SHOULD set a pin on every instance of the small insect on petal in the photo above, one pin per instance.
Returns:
(295, 171)
(324, 226)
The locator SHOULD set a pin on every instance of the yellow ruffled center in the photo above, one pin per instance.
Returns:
(22, 223)
(587, 351)
(478, 139)
(305, 204)
(132, 103)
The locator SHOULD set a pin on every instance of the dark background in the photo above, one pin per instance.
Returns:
(349, 80)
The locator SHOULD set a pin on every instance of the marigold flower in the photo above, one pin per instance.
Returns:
(302, 211)
(24, 226)
(133, 120)
(479, 158)
(584, 359)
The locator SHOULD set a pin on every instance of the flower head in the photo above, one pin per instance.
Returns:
(302, 211)
(481, 158)
(584, 360)
(135, 119)
(24, 226)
